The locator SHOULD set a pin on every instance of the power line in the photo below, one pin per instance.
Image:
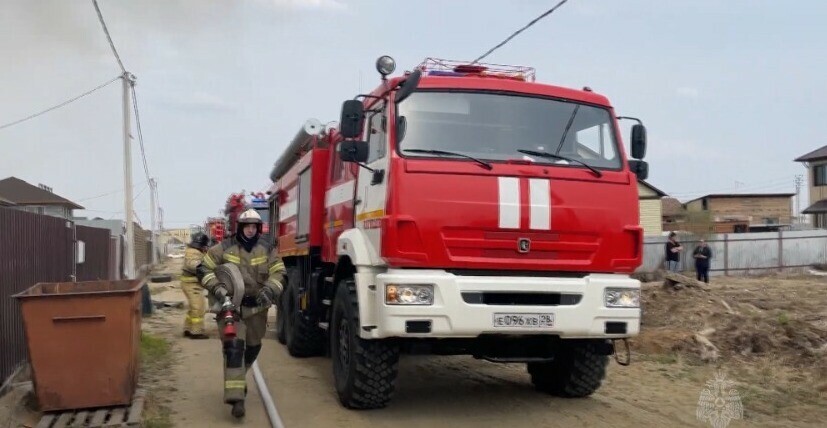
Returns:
(139, 193)
(111, 192)
(108, 37)
(69, 101)
(140, 132)
(534, 21)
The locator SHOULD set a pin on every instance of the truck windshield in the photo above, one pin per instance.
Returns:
(494, 126)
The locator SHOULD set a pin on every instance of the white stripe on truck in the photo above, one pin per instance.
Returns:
(339, 194)
(539, 203)
(509, 199)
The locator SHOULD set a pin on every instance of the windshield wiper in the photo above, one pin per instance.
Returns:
(561, 157)
(566, 131)
(482, 163)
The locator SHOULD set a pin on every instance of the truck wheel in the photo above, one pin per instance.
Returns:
(577, 371)
(281, 327)
(364, 370)
(303, 337)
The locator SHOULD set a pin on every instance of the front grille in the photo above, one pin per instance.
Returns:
(521, 299)
(485, 245)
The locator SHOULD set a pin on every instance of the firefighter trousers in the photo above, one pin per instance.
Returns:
(194, 321)
(240, 352)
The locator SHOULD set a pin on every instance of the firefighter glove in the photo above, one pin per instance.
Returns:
(266, 297)
(220, 292)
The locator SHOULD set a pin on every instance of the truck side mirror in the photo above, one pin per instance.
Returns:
(638, 141)
(353, 114)
(640, 168)
(353, 151)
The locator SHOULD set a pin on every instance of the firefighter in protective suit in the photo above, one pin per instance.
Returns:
(194, 321)
(264, 275)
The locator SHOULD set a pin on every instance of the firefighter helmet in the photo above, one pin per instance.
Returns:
(250, 216)
(199, 240)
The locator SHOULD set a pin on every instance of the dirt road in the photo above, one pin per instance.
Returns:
(457, 392)
(431, 392)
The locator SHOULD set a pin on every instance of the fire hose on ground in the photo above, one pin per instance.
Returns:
(272, 413)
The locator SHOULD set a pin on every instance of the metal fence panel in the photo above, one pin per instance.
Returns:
(740, 253)
(96, 263)
(33, 248)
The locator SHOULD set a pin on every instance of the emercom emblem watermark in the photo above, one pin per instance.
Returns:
(719, 402)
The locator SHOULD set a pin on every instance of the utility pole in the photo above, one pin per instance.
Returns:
(129, 248)
(798, 181)
(152, 187)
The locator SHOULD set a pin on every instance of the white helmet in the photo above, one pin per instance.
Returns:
(249, 217)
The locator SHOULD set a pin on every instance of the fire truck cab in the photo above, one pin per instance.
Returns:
(460, 209)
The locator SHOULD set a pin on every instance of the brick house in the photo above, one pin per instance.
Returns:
(753, 212)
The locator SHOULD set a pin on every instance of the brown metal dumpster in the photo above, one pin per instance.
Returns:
(83, 340)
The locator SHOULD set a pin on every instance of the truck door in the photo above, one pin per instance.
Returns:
(338, 203)
(370, 194)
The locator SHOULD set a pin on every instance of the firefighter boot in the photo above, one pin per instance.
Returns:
(238, 409)
(234, 373)
(250, 355)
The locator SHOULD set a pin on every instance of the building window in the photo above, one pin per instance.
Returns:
(820, 175)
(705, 204)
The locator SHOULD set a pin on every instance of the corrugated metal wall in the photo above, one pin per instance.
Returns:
(115, 257)
(39, 248)
(97, 261)
(745, 253)
(33, 248)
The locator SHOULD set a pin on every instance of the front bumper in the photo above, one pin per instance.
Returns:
(452, 317)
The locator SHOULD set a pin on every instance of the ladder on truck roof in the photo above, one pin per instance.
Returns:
(438, 66)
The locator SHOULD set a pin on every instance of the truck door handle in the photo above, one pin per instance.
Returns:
(80, 318)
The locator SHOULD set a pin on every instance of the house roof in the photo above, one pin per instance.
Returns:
(743, 195)
(5, 202)
(22, 193)
(660, 193)
(671, 206)
(813, 155)
(816, 208)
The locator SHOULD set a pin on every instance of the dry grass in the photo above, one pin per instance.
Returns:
(769, 332)
(156, 359)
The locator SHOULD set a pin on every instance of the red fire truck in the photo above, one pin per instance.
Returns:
(220, 228)
(216, 228)
(461, 209)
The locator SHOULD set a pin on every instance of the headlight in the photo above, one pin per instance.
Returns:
(409, 294)
(385, 65)
(621, 298)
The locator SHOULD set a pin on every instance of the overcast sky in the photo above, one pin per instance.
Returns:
(731, 90)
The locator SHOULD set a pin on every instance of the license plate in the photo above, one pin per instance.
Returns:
(524, 320)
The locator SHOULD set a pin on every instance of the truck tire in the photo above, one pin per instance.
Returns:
(161, 278)
(281, 328)
(303, 337)
(364, 370)
(577, 371)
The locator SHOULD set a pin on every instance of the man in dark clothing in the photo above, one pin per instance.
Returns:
(673, 252)
(702, 256)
